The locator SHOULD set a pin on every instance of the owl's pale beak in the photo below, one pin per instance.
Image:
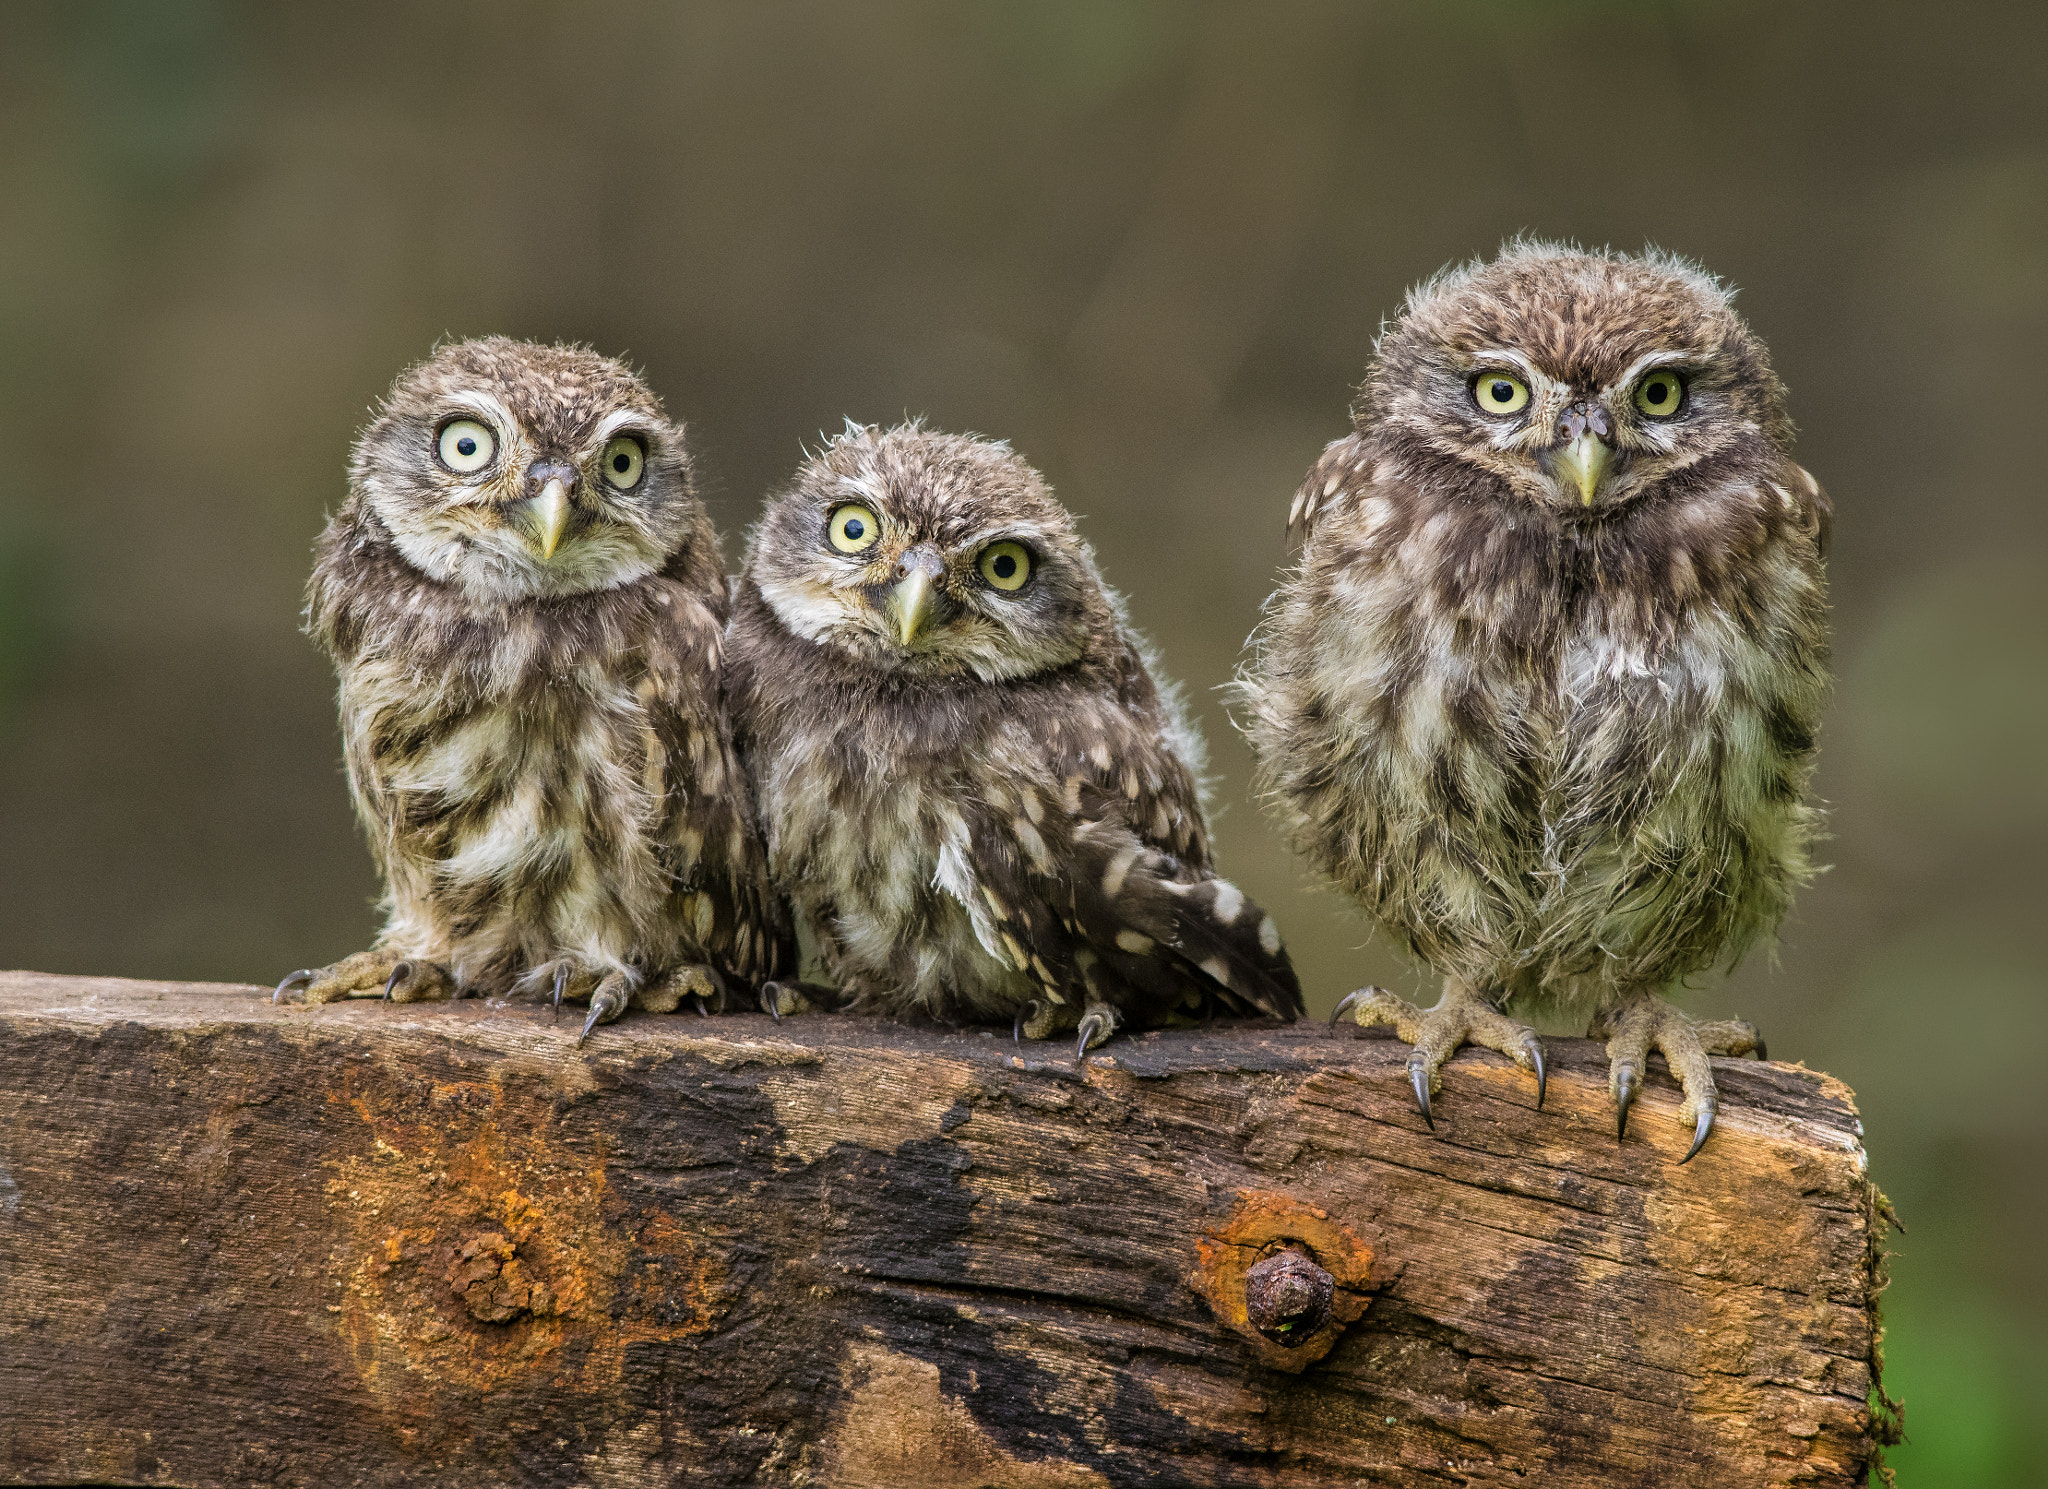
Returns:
(1584, 462)
(551, 516)
(914, 597)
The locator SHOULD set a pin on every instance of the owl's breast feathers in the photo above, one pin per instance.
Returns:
(1550, 755)
(554, 774)
(971, 846)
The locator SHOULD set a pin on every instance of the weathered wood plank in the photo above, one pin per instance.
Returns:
(434, 1244)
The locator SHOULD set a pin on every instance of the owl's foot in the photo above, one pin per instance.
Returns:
(789, 996)
(371, 974)
(700, 984)
(1098, 1022)
(1643, 1020)
(1460, 1017)
(607, 1001)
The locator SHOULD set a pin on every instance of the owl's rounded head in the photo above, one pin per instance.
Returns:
(516, 471)
(1579, 380)
(934, 554)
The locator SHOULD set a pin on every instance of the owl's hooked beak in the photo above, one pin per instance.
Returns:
(550, 509)
(1584, 462)
(913, 598)
(1588, 451)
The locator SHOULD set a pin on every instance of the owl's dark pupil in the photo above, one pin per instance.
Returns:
(622, 462)
(1658, 392)
(1502, 392)
(466, 445)
(1004, 566)
(855, 529)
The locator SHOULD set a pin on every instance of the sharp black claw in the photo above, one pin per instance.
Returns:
(1029, 1010)
(771, 998)
(1081, 1046)
(399, 974)
(561, 984)
(596, 1012)
(1344, 1004)
(1761, 1052)
(1418, 1077)
(1704, 1126)
(1535, 1048)
(702, 1010)
(1629, 1082)
(294, 982)
(1090, 1027)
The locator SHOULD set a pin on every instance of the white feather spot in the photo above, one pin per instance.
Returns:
(1119, 866)
(1269, 937)
(1137, 943)
(1229, 901)
(1215, 968)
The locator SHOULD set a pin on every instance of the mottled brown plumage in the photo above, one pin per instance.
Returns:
(978, 800)
(525, 604)
(1542, 692)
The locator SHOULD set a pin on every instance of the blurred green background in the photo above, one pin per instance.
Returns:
(1151, 244)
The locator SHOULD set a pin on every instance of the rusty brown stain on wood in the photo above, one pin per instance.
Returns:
(422, 1245)
(483, 1254)
(1261, 1223)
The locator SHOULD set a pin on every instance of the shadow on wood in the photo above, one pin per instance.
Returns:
(424, 1243)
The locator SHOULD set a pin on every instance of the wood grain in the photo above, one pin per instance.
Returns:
(426, 1244)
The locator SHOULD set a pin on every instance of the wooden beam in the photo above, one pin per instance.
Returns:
(428, 1244)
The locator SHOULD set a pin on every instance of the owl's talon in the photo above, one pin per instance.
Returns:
(1348, 1001)
(607, 1002)
(1761, 1052)
(293, 982)
(770, 999)
(1096, 1027)
(703, 1010)
(400, 973)
(1628, 1084)
(1418, 1077)
(561, 984)
(1534, 1048)
(1702, 1127)
(1028, 1011)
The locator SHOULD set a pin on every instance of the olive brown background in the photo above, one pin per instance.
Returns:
(1150, 243)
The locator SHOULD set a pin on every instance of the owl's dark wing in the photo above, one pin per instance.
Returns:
(721, 900)
(1344, 465)
(1077, 890)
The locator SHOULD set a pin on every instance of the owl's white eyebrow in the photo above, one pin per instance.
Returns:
(1494, 356)
(485, 404)
(617, 419)
(1643, 364)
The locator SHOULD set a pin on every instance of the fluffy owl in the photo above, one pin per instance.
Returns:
(525, 605)
(979, 801)
(1542, 691)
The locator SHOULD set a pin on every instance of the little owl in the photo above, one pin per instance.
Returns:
(1542, 692)
(525, 604)
(979, 801)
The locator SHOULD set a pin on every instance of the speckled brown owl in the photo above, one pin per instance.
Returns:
(979, 801)
(1542, 693)
(525, 604)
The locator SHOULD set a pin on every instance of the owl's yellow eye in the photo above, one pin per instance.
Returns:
(852, 528)
(467, 445)
(1661, 394)
(1498, 393)
(1006, 565)
(624, 462)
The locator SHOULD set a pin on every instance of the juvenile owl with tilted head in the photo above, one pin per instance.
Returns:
(525, 604)
(980, 802)
(1542, 693)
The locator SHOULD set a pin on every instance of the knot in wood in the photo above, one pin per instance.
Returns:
(1287, 1296)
